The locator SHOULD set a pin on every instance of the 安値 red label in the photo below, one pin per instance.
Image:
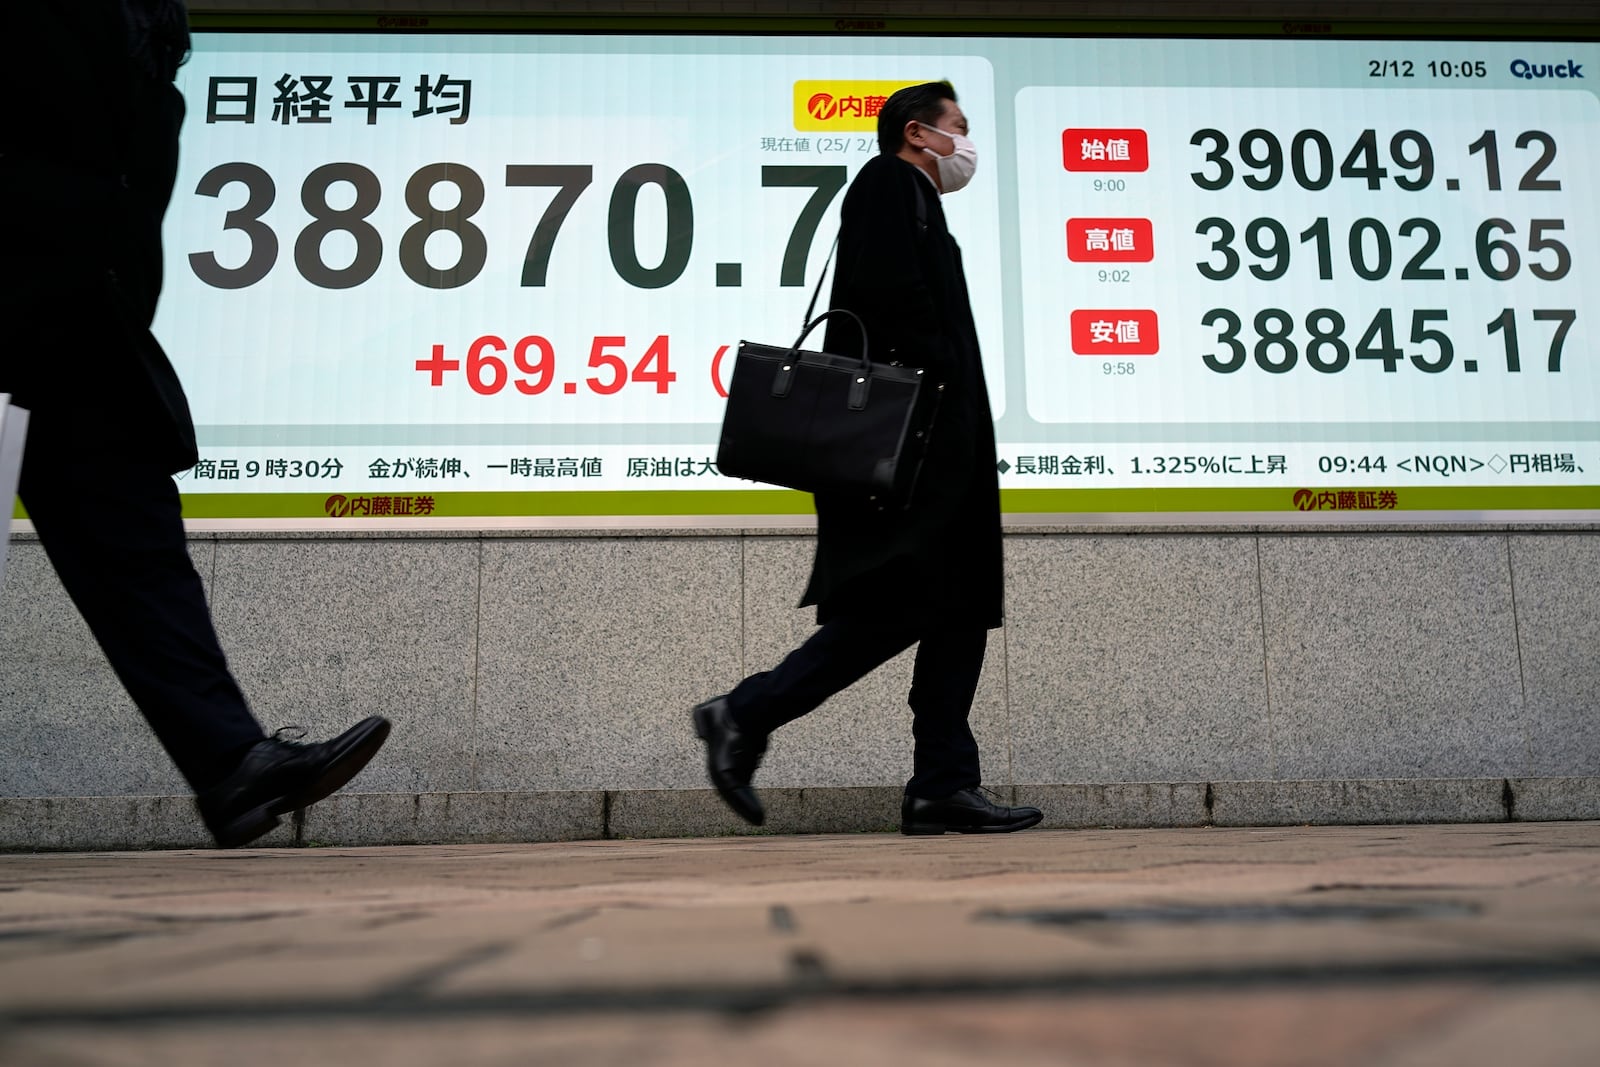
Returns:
(1115, 332)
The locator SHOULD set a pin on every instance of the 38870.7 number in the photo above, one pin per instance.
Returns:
(570, 181)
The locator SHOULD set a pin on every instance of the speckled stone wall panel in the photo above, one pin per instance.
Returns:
(122, 822)
(1540, 799)
(70, 729)
(455, 818)
(1349, 803)
(678, 813)
(324, 633)
(593, 652)
(862, 736)
(72, 823)
(1123, 804)
(839, 810)
(1135, 659)
(1392, 657)
(700, 813)
(1557, 582)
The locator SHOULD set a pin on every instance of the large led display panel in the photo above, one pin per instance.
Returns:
(469, 277)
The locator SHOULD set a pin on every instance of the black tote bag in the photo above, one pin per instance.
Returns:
(824, 423)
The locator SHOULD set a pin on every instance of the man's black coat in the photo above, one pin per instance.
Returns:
(939, 561)
(87, 164)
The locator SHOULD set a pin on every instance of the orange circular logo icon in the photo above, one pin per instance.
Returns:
(337, 506)
(823, 106)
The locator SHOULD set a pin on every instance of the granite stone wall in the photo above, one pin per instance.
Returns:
(1275, 665)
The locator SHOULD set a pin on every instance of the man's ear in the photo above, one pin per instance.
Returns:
(914, 127)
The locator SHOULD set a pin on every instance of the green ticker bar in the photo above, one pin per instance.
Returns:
(1376, 503)
(1373, 502)
(498, 505)
(848, 26)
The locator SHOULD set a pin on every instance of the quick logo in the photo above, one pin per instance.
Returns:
(1521, 68)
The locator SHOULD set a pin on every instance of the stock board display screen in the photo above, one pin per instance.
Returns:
(467, 276)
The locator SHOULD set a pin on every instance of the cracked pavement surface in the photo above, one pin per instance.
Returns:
(1374, 945)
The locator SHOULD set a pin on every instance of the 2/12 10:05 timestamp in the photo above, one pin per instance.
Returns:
(1436, 68)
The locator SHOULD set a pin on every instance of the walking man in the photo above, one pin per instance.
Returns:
(929, 575)
(86, 171)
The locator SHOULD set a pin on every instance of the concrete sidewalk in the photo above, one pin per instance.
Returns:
(1381, 946)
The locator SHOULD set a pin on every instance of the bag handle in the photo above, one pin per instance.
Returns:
(817, 292)
(782, 380)
(808, 323)
(866, 364)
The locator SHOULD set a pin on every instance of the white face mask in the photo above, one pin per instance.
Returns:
(956, 169)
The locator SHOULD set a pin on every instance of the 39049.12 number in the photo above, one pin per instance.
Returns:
(1308, 160)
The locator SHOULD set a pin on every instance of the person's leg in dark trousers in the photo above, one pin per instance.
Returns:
(112, 527)
(113, 531)
(840, 653)
(943, 684)
(844, 651)
(943, 793)
(735, 727)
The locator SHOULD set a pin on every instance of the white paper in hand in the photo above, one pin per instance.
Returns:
(13, 429)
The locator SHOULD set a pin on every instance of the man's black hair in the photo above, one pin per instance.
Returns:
(916, 103)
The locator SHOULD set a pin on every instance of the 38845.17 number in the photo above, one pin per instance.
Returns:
(1277, 351)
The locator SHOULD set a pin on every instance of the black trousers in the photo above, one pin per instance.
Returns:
(99, 493)
(112, 527)
(845, 649)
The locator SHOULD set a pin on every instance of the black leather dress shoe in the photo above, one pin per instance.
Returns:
(966, 811)
(279, 775)
(732, 756)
